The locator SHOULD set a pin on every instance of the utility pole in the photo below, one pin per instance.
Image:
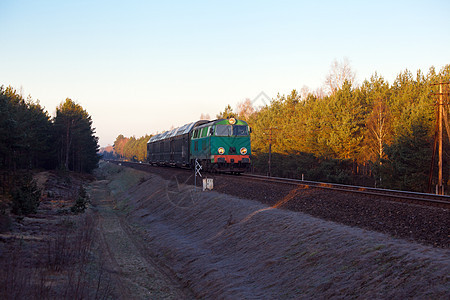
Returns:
(441, 111)
(270, 152)
(440, 190)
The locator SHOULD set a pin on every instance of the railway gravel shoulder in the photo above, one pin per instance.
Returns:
(423, 224)
(227, 247)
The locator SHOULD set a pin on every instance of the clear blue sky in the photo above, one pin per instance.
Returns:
(143, 66)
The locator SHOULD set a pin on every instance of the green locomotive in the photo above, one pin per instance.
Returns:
(219, 146)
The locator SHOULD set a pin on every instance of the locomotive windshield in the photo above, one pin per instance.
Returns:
(240, 130)
(223, 130)
(228, 130)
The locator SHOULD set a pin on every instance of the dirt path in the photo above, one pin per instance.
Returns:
(134, 274)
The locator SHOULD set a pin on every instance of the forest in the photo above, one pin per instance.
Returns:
(30, 139)
(375, 133)
(129, 148)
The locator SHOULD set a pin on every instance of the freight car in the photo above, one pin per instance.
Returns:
(219, 146)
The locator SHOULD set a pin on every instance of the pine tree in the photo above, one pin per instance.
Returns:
(227, 113)
(408, 160)
(75, 138)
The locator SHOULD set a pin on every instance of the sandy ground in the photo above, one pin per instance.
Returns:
(165, 240)
(134, 273)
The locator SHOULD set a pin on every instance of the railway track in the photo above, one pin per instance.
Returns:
(442, 201)
(420, 198)
(407, 215)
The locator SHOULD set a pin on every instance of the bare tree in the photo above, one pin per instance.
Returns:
(205, 117)
(339, 73)
(245, 109)
(319, 93)
(304, 92)
(378, 124)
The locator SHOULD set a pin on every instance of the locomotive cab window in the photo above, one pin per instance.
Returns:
(240, 130)
(223, 130)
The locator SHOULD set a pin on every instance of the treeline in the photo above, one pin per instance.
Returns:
(130, 148)
(383, 132)
(377, 133)
(30, 138)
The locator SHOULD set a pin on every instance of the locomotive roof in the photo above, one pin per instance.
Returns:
(188, 128)
(227, 122)
(176, 131)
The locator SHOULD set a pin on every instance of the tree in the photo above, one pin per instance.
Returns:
(408, 160)
(204, 116)
(76, 142)
(134, 149)
(25, 132)
(245, 109)
(25, 196)
(119, 145)
(378, 125)
(379, 120)
(346, 119)
(227, 113)
(340, 72)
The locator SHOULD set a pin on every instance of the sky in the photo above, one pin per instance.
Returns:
(142, 67)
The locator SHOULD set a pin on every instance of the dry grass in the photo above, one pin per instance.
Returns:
(52, 255)
(61, 266)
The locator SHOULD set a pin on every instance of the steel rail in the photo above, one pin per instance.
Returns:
(414, 196)
(396, 194)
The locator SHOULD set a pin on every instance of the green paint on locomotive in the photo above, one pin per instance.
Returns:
(233, 140)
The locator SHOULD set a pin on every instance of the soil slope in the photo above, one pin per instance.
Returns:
(210, 245)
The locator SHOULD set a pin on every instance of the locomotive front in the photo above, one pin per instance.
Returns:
(223, 146)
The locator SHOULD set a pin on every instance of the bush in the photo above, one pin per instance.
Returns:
(82, 201)
(331, 170)
(408, 161)
(26, 196)
(293, 165)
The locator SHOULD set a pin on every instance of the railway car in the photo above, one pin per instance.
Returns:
(219, 146)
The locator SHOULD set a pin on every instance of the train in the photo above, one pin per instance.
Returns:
(221, 145)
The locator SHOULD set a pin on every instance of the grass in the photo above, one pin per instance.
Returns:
(63, 267)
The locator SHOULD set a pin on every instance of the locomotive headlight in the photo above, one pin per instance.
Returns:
(232, 121)
(221, 150)
(243, 150)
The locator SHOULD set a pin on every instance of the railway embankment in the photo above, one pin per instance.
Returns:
(212, 245)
